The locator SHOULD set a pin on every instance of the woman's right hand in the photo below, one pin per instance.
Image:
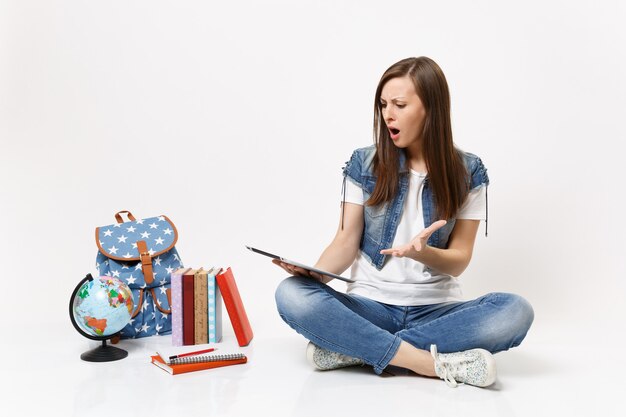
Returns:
(296, 270)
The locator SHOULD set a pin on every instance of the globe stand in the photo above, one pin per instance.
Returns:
(104, 353)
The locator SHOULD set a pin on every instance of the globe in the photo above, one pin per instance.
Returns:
(103, 306)
(99, 309)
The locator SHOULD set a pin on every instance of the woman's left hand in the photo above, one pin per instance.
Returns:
(417, 244)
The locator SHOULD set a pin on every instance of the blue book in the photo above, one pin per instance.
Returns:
(214, 307)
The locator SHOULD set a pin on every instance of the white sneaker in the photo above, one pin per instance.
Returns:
(474, 367)
(325, 360)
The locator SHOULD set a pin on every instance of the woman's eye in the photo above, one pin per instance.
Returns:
(383, 105)
(401, 106)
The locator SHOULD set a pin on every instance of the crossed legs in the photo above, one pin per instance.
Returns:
(382, 334)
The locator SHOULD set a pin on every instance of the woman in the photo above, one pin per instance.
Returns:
(405, 307)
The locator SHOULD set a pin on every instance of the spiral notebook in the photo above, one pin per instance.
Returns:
(199, 362)
(205, 358)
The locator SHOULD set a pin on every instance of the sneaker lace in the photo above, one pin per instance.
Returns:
(446, 372)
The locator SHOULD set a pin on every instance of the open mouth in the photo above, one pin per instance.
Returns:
(394, 132)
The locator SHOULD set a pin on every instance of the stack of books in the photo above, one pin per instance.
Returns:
(197, 296)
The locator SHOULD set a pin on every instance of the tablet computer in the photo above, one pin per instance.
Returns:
(308, 268)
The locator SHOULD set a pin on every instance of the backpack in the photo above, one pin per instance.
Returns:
(141, 253)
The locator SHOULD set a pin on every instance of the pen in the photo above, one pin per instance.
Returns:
(192, 353)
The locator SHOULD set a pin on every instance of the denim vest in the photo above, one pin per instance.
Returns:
(381, 221)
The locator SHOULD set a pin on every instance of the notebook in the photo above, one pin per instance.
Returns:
(199, 362)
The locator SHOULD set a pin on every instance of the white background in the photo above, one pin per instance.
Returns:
(235, 118)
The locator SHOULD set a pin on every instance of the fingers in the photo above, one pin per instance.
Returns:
(436, 225)
(316, 275)
(394, 252)
(418, 243)
(291, 269)
(283, 265)
(300, 271)
(280, 264)
(425, 234)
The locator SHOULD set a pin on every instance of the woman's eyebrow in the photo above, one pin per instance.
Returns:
(394, 99)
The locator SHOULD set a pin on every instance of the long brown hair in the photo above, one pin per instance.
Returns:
(446, 171)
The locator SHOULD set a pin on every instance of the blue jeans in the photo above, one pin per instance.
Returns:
(372, 331)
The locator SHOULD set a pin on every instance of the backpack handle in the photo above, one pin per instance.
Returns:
(118, 216)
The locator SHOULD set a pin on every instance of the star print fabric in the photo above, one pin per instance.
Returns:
(119, 257)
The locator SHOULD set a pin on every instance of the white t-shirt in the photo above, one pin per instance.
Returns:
(404, 281)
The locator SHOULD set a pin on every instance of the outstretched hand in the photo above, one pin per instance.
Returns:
(417, 244)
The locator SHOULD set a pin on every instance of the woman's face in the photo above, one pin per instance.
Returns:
(403, 112)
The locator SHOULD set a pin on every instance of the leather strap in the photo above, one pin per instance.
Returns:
(118, 216)
(139, 304)
(146, 261)
(156, 301)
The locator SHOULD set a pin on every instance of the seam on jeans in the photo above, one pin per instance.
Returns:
(389, 354)
(404, 316)
(388, 316)
(447, 316)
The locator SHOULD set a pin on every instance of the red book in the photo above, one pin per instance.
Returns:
(234, 306)
(188, 307)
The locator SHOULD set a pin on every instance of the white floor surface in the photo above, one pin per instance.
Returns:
(550, 374)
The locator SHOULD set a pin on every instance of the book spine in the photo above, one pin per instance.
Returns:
(155, 361)
(177, 309)
(200, 308)
(234, 307)
(214, 310)
(188, 309)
